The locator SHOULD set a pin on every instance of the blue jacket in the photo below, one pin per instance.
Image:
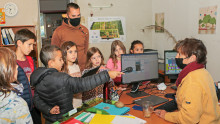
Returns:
(22, 78)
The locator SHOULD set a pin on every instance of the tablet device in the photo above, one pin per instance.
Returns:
(89, 72)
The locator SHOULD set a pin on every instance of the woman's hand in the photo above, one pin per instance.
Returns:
(160, 113)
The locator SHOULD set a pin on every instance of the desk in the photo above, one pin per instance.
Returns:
(154, 119)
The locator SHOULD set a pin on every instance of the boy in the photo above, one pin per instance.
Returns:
(24, 42)
(56, 88)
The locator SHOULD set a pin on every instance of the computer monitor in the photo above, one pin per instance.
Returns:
(170, 68)
(144, 68)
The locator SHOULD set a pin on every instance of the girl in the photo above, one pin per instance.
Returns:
(94, 59)
(13, 108)
(114, 62)
(137, 47)
(69, 51)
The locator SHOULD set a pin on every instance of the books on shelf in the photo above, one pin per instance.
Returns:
(7, 36)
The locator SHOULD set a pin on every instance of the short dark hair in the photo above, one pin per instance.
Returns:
(134, 43)
(71, 5)
(192, 46)
(47, 53)
(24, 35)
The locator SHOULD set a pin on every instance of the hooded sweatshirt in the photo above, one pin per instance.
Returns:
(13, 109)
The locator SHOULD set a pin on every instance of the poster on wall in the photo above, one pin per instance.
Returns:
(104, 29)
(2, 16)
(159, 22)
(207, 20)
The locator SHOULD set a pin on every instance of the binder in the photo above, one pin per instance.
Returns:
(5, 39)
(12, 34)
(9, 37)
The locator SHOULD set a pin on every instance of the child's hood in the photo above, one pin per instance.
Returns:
(6, 101)
(39, 74)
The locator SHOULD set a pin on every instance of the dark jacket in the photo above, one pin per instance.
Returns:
(22, 78)
(57, 88)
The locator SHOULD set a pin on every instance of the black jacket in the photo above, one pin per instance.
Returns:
(57, 88)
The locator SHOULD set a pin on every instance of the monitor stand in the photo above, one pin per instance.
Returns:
(135, 92)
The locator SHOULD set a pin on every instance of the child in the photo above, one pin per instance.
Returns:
(114, 62)
(69, 51)
(13, 109)
(94, 59)
(24, 42)
(137, 47)
(57, 88)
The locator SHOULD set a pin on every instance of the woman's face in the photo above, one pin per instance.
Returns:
(118, 52)
(96, 59)
(72, 54)
(186, 60)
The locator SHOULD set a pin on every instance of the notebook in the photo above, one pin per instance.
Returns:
(154, 99)
(89, 72)
(112, 109)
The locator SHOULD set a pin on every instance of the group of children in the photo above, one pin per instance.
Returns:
(51, 88)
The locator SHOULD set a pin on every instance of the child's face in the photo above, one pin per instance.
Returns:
(138, 48)
(118, 52)
(72, 54)
(57, 62)
(96, 59)
(27, 46)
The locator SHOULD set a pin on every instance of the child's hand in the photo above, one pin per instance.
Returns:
(114, 74)
(77, 74)
(55, 110)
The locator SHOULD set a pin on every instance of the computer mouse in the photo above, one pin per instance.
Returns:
(119, 104)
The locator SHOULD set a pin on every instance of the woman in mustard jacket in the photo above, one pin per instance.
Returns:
(196, 95)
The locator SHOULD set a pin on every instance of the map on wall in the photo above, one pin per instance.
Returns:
(159, 22)
(102, 29)
(207, 20)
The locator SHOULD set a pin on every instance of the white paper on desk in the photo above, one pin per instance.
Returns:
(126, 120)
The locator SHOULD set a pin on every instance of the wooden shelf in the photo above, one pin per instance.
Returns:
(32, 28)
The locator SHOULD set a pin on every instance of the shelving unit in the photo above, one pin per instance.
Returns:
(32, 28)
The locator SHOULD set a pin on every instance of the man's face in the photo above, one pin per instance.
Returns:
(74, 13)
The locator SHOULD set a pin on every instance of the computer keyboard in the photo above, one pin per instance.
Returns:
(169, 106)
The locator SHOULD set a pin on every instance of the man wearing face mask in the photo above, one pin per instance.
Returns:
(72, 30)
(196, 94)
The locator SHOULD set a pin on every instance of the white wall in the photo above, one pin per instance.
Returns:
(181, 19)
(28, 14)
(137, 15)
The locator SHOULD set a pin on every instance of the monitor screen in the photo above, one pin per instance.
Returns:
(170, 64)
(144, 67)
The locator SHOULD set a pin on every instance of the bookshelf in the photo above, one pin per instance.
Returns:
(32, 28)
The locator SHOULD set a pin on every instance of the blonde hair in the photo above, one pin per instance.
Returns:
(8, 68)
(91, 51)
(113, 48)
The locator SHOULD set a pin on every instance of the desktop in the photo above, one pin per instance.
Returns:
(144, 68)
(170, 68)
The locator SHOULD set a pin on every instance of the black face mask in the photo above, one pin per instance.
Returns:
(179, 62)
(75, 22)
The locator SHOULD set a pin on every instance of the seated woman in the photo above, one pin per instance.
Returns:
(196, 96)
(13, 109)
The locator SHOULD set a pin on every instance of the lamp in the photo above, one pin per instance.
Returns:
(107, 6)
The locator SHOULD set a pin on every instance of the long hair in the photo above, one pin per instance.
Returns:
(65, 47)
(8, 69)
(113, 48)
(91, 51)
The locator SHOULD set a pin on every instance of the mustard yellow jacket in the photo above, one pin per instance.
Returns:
(196, 99)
